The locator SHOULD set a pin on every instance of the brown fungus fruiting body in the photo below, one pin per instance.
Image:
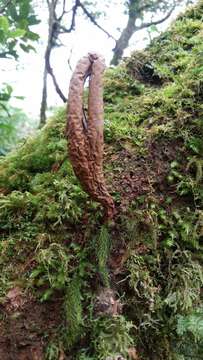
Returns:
(85, 136)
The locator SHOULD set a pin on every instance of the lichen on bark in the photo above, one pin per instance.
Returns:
(85, 136)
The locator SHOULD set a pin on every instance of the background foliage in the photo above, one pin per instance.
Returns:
(16, 20)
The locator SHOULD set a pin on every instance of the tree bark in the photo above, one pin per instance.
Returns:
(47, 66)
(134, 13)
(54, 30)
(54, 24)
(51, 8)
(43, 106)
(123, 41)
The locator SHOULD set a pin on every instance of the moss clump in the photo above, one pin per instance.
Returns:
(53, 245)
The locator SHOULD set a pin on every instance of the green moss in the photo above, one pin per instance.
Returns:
(73, 311)
(103, 250)
(112, 337)
(53, 241)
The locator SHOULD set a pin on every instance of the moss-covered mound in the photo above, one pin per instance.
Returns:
(72, 288)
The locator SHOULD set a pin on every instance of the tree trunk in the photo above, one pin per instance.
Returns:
(51, 8)
(43, 107)
(135, 13)
(122, 42)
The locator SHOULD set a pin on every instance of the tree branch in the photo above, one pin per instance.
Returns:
(51, 42)
(131, 27)
(4, 7)
(51, 73)
(92, 19)
(4, 55)
(74, 13)
(147, 6)
(63, 11)
(124, 38)
(155, 22)
(5, 109)
(69, 60)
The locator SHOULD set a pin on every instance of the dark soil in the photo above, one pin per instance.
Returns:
(25, 325)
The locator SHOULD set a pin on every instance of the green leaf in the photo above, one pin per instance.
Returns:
(195, 144)
(17, 33)
(23, 24)
(24, 9)
(32, 36)
(9, 89)
(19, 97)
(13, 12)
(47, 294)
(27, 48)
(2, 40)
(198, 70)
(32, 20)
(35, 273)
(153, 28)
(5, 93)
(174, 164)
(4, 23)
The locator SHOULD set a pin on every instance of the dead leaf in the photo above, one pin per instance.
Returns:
(14, 299)
(132, 352)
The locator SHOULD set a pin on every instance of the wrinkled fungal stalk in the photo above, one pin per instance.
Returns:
(86, 135)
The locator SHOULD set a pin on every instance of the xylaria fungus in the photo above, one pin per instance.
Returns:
(85, 134)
